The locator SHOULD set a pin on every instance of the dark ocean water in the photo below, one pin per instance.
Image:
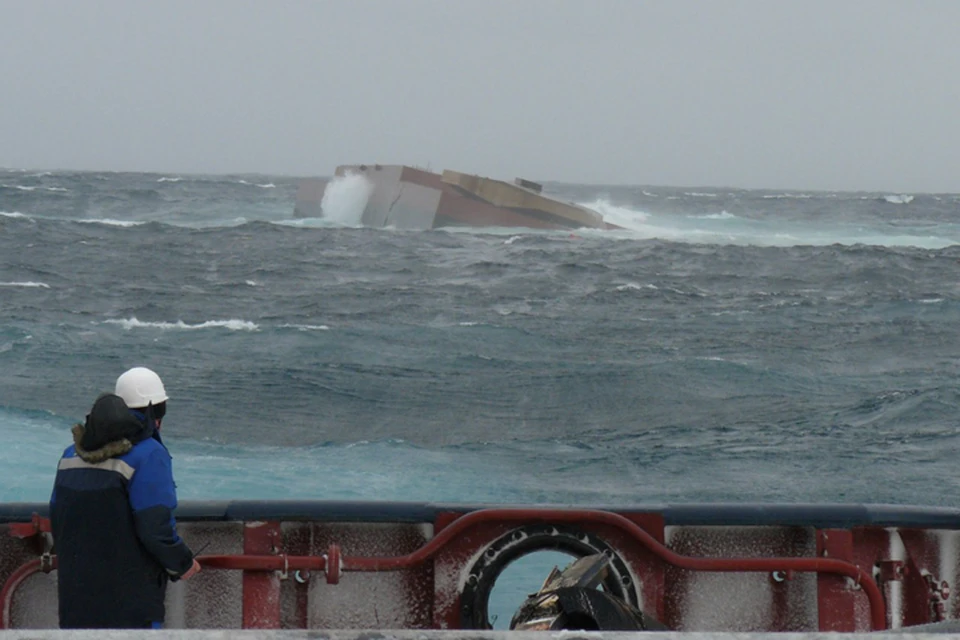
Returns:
(728, 345)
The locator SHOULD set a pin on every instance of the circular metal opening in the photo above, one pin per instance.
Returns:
(523, 541)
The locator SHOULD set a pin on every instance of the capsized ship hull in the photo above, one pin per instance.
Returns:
(406, 197)
(428, 566)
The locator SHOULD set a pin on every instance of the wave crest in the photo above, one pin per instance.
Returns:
(232, 325)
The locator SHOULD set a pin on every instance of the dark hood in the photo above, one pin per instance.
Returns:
(110, 430)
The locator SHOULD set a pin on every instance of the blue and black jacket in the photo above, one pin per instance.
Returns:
(113, 527)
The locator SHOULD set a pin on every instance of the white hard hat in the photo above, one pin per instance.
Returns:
(140, 387)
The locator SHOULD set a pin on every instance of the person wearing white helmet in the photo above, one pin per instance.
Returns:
(111, 512)
(143, 391)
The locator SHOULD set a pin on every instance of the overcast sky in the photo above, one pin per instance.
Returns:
(806, 94)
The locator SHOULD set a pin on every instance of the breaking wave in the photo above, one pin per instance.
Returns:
(898, 199)
(232, 325)
(725, 228)
(112, 222)
(345, 198)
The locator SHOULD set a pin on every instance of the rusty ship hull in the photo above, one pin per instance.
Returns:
(406, 197)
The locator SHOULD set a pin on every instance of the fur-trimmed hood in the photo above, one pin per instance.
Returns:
(110, 430)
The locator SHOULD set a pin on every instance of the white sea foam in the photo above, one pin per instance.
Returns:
(723, 215)
(24, 187)
(345, 198)
(306, 327)
(307, 223)
(223, 223)
(232, 325)
(615, 214)
(42, 285)
(642, 225)
(12, 214)
(111, 222)
(724, 228)
(166, 179)
(900, 198)
(268, 185)
(632, 286)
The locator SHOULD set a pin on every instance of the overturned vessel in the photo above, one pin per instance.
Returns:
(405, 197)
(583, 596)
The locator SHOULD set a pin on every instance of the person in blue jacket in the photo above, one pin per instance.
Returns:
(111, 512)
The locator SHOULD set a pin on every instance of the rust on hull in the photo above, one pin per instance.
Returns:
(405, 197)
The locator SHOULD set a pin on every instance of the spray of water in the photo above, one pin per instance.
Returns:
(345, 198)
(724, 228)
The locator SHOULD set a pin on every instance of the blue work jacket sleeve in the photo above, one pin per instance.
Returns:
(153, 498)
(68, 452)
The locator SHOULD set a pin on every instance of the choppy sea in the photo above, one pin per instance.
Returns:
(726, 345)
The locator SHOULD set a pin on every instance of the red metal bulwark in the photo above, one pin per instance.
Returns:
(926, 580)
(498, 521)
(846, 592)
(261, 589)
(24, 530)
(836, 601)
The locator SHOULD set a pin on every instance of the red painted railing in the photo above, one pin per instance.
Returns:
(281, 562)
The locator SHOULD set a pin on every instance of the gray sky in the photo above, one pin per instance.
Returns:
(806, 94)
